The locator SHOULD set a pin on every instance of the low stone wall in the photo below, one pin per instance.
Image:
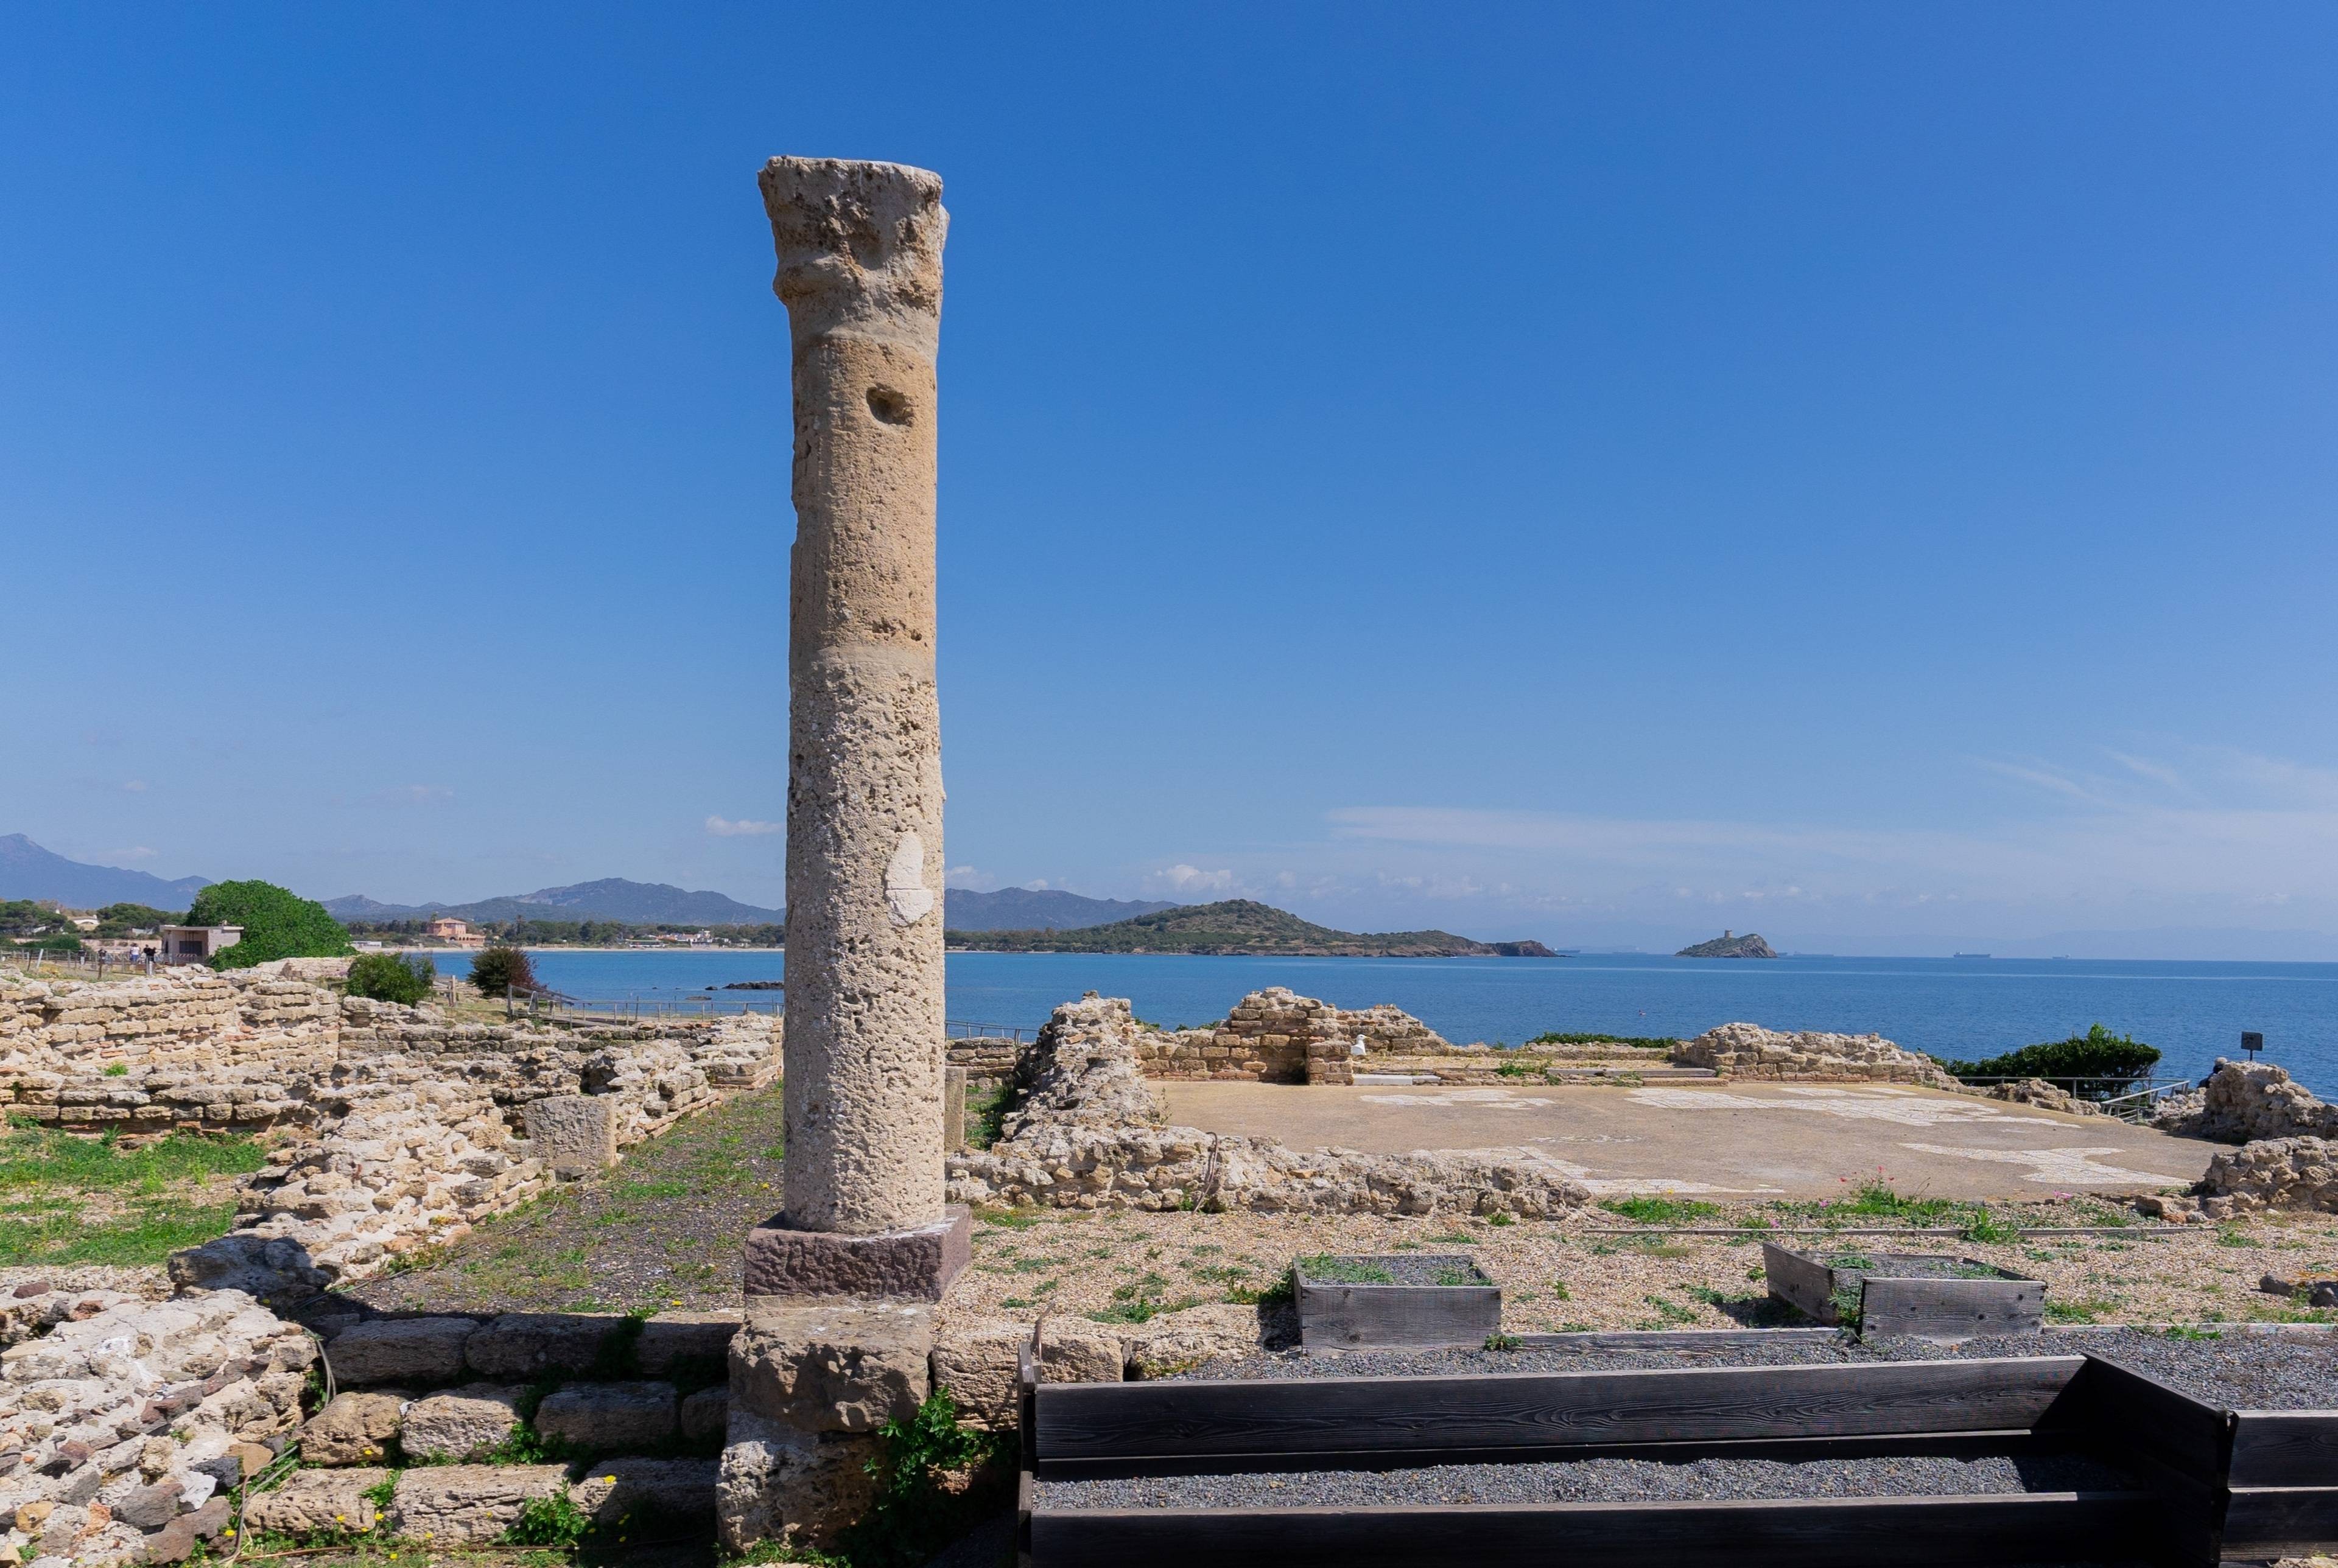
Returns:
(1277, 1036)
(1750, 1051)
(121, 1427)
(394, 1127)
(1086, 1136)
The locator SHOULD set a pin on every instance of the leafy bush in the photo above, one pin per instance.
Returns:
(549, 1522)
(497, 969)
(1644, 1042)
(400, 978)
(934, 1477)
(2096, 1054)
(276, 924)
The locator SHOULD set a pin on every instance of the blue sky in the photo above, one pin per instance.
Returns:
(1607, 474)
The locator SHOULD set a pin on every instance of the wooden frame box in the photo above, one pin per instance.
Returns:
(1919, 1302)
(1341, 1309)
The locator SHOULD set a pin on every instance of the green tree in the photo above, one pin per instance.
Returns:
(121, 919)
(276, 924)
(499, 967)
(2097, 1053)
(401, 977)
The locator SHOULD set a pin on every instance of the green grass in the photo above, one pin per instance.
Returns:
(55, 1192)
(1660, 1211)
(1345, 1270)
(1643, 1042)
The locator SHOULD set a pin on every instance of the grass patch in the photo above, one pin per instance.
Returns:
(1638, 1042)
(75, 1199)
(1660, 1211)
(1345, 1270)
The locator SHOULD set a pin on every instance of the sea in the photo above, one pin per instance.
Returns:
(1955, 1007)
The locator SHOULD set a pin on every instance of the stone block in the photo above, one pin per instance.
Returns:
(780, 1483)
(151, 1506)
(831, 1365)
(532, 1344)
(705, 1414)
(681, 1490)
(609, 1417)
(412, 1350)
(315, 1502)
(575, 1134)
(444, 1505)
(917, 1263)
(355, 1429)
(953, 1109)
(684, 1342)
(975, 1363)
(461, 1423)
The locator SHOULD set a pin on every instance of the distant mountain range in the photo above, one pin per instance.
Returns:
(658, 903)
(1240, 925)
(29, 871)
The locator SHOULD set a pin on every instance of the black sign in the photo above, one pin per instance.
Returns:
(2252, 1041)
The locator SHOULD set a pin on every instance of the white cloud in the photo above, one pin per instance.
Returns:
(964, 876)
(1183, 878)
(744, 828)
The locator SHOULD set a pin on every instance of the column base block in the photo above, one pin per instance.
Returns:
(918, 1263)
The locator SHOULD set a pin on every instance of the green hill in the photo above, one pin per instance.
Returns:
(1240, 926)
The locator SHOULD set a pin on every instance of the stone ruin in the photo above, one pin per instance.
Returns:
(391, 1128)
(1087, 1135)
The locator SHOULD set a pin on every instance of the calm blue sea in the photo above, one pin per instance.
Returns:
(1953, 1007)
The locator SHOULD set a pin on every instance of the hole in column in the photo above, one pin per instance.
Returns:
(892, 407)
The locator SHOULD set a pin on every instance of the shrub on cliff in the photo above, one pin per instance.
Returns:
(401, 977)
(499, 967)
(276, 924)
(2096, 1054)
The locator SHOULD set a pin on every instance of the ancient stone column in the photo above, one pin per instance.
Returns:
(859, 248)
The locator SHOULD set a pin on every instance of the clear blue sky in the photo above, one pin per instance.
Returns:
(1602, 473)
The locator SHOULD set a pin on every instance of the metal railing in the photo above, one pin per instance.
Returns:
(2127, 1097)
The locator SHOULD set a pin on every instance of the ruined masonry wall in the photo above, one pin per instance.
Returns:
(394, 1127)
(1277, 1036)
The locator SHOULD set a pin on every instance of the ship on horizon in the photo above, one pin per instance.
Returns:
(1967, 954)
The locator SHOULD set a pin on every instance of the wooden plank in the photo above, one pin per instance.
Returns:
(1949, 1309)
(2285, 1448)
(2129, 1412)
(2281, 1521)
(1802, 1283)
(1378, 1414)
(1334, 1316)
(1796, 1532)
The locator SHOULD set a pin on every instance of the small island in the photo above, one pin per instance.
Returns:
(1240, 925)
(1729, 944)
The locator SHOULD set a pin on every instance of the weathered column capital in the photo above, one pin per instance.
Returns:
(859, 248)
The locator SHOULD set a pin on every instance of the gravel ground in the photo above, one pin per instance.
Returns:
(1557, 1275)
(1413, 1268)
(661, 1230)
(2254, 1371)
(1594, 1481)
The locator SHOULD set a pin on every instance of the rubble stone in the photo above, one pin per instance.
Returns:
(609, 1417)
(461, 1423)
(831, 1364)
(532, 1344)
(681, 1490)
(1750, 1051)
(468, 1504)
(317, 1502)
(779, 1483)
(412, 1350)
(354, 1429)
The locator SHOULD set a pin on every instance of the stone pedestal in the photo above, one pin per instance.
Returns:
(916, 1263)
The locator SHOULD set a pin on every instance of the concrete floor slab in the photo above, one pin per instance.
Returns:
(1725, 1139)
